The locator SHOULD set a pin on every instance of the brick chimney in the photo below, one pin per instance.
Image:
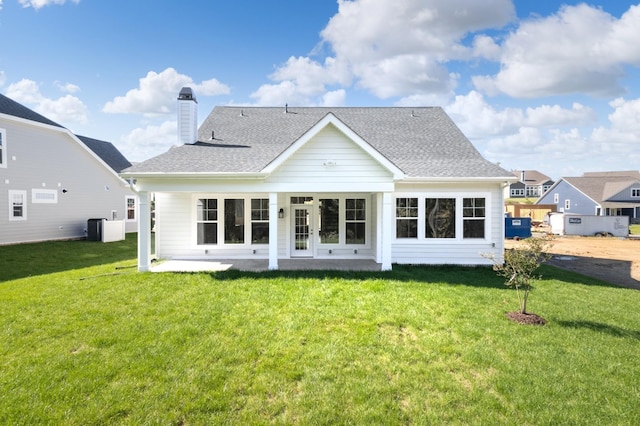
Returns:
(187, 117)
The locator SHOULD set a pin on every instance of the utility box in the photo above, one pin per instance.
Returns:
(105, 230)
(94, 229)
(587, 225)
(517, 227)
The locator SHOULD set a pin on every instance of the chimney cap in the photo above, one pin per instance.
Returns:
(186, 94)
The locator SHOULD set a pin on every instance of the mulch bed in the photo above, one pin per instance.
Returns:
(526, 318)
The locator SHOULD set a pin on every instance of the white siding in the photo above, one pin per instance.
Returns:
(330, 162)
(42, 158)
(454, 251)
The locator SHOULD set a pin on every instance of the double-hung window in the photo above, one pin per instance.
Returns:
(473, 217)
(260, 221)
(355, 220)
(207, 221)
(131, 208)
(17, 205)
(635, 192)
(406, 218)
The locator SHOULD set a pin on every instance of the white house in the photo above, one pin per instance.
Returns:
(52, 181)
(395, 185)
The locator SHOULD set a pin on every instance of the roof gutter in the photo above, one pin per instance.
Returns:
(458, 179)
(201, 175)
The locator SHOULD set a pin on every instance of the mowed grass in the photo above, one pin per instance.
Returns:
(102, 344)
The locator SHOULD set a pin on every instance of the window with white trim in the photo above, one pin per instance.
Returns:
(355, 220)
(440, 218)
(234, 221)
(17, 205)
(567, 204)
(329, 217)
(635, 192)
(406, 218)
(260, 221)
(556, 198)
(131, 208)
(207, 221)
(517, 192)
(473, 217)
(3, 148)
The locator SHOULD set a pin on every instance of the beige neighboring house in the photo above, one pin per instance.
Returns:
(393, 185)
(53, 181)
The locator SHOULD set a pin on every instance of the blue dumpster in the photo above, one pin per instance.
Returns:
(517, 227)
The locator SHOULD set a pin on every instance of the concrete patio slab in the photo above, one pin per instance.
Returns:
(259, 265)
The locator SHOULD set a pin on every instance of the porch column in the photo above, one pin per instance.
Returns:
(273, 231)
(386, 231)
(144, 232)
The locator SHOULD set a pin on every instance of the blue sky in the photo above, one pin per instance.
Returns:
(546, 85)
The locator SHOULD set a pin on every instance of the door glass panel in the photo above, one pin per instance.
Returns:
(301, 229)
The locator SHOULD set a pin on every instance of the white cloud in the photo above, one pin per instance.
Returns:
(2, 74)
(399, 48)
(335, 98)
(485, 47)
(554, 115)
(67, 87)
(145, 142)
(37, 4)
(622, 137)
(391, 49)
(579, 49)
(157, 92)
(478, 119)
(65, 110)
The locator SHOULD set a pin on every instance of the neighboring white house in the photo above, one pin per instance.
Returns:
(395, 185)
(52, 181)
(532, 184)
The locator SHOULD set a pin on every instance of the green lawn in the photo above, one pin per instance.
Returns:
(634, 229)
(85, 339)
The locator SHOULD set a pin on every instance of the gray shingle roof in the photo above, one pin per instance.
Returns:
(532, 177)
(10, 107)
(600, 188)
(108, 152)
(422, 142)
(105, 150)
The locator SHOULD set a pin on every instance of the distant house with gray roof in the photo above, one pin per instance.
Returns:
(597, 193)
(53, 181)
(530, 184)
(395, 185)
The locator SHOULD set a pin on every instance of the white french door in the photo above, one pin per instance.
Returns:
(302, 231)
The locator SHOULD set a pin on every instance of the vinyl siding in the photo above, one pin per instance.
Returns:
(458, 251)
(42, 158)
(580, 203)
(329, 162)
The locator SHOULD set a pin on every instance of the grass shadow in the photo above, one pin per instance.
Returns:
(611, 330)
(477, 276)
(25, 260)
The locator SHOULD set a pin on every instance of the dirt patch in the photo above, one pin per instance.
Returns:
(528, 318)
(615, 260)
